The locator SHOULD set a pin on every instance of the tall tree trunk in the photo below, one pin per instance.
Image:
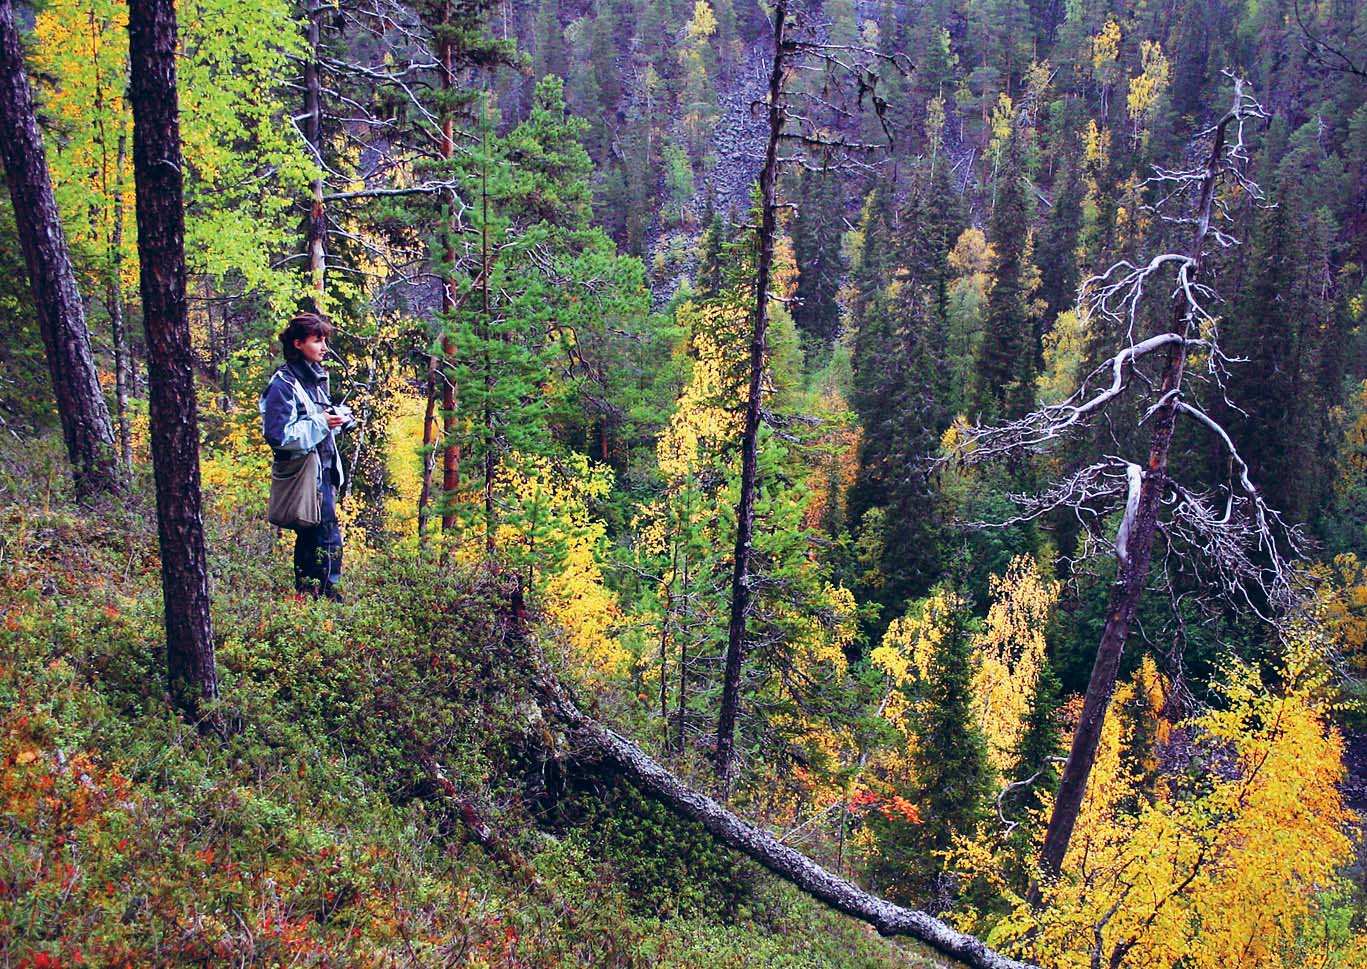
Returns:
(171, 381)
(316, 230)
(429, 460)
(490, 458)
(745, 508)
(1134, 549)
(450, 455)
(86, 428)
(429, 454)
(123, 360)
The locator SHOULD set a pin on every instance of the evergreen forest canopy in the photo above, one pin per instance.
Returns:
(936, 430)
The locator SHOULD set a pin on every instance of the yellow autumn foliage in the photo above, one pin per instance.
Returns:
(1009, 655)
(554, 502)
(904, 656)
(1065, 351)
(1223, 864)
(708, 412)
(1147, 89)
(1353, 460)
(1002, 123)
(911, 640)
(972, 257)
(1106, 52)
(1342, 600)
(704, 22)
(81, 55)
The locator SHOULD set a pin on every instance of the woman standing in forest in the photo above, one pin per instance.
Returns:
(298, 417)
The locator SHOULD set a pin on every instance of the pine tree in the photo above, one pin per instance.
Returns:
(81, 405)
(502, 324)
(191, 674)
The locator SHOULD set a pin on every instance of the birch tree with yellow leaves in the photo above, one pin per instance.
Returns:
(244, 167)
(1229, 858)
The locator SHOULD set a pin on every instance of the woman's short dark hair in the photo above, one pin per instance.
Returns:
(303, 326)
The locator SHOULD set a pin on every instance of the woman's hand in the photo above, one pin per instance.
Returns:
(334, 422)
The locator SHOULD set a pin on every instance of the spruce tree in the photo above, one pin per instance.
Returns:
(1008, 360)
(951, 777)
(711, 260)
(817, 232)
(1057, 252)
(1033, 781)
(899, 377)
(1276, 332)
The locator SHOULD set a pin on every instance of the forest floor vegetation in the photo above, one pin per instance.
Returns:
(314, 834)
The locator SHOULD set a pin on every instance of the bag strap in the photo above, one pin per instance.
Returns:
(309, 403)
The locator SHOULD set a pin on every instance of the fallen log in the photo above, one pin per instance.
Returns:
(589, 737)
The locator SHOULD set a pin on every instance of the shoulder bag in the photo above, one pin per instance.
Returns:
(296, 499)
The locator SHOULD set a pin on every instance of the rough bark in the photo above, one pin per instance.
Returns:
(745, 508)
(450, 456)
(123, 359)
(592, 739)
(173, 412)
(81, 406)
(429, 454)
(316, 227)
(1134, 550)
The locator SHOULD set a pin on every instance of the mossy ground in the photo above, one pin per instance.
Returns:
(313, 835)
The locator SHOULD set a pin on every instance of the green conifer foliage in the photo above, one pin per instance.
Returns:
(1008, 359)
(950, 773)
(711, 267)
(901, 382)
(543, 281)
(1035, 776)
(1057, 252)
(817, 231)
(548, 48)
(1277, 329)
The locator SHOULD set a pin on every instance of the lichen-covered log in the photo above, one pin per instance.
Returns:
(591, 739)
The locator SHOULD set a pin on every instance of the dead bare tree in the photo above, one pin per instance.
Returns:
(790, 120)
(1227, 528)
(315, 226)
(745, 509)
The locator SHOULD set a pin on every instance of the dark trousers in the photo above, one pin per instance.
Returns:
(318, 550)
